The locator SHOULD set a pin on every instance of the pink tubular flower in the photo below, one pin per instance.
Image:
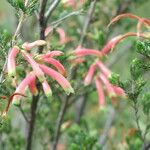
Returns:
(56, 64)
(89, 76)
(52, 54)
(113, 42)
(11, 64)
(32, 85)
(71, 3)
(103, 68)
(84, 51)
(129, 15)
(101, 96)
(21, 88)
(36, 69)
(46, 88)
(62, 35)
(29, 46)
(108, 85)
(59, 78)
(119, 91)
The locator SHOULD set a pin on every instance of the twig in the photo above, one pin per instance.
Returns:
(51, 9)
(59, 122)
(23, 114)
(87, 21)
(33, 109)
(59, 21)
(107, 126)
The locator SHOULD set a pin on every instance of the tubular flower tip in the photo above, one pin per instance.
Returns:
(46, 88)
(62, 35)
(32, 85)
(11, 63)
(108, 86)
(21, 88)
(36, 69)
(101, 95)
(59, 78)
(29, 46)
(84, 51)
(89, 76)
(104, 69)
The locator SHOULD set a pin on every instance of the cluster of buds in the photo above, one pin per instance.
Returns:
(102, 78)
(39, 64)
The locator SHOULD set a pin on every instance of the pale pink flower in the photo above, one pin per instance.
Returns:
(22, 87)
(90, 73)
(36, 69)
(80, 51)
(129, 15)
(29, 46)
(46, 88)
(58, 77)
(51, 54)
(113, 42)
(100, 91)
(11, 63)
(103, 68)
(56, 64)
(62, 36)
(119, 91)
(108, 85)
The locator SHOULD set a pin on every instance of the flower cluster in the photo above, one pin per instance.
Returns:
(102, 77)
(39, 67)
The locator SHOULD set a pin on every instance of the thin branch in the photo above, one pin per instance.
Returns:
(87, 21)
(51, 9)
(107, 126)
(59, 122)
(33, 109)
(59, 21)
(23, 113)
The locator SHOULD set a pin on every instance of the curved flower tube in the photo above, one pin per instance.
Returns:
(21, 88)
(85, 51)
(108, 85)
(113, 42)
(11, 63)
(36, 69)
(56, 64)
(103, 68)
(9, 102)
(52, 54)
(58, 77)
(89, 76)
(29, 46)
(101, 95)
